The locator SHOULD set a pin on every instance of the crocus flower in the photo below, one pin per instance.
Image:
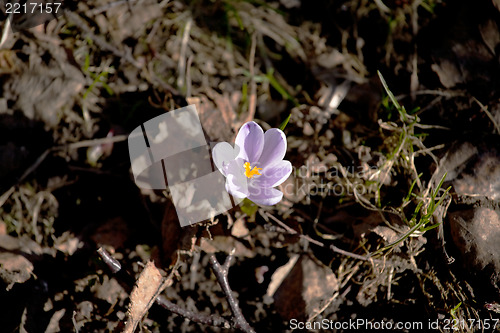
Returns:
(255, 166)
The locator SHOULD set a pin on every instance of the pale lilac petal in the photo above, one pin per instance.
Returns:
(236, 182)
(273, 175)
(235, 190)
(222, 154)
(274, 147)
(265, 196)
(250, 141)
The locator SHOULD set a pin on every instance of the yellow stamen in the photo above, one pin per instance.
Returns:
(249, 172)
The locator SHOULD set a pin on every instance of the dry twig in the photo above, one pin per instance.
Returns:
(212, 320)
(318, 243)
(221, 272)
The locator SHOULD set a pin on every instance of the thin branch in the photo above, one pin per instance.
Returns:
(212, 320)
(94, 142)
(113, 264)
(221, 272)
(318, 243)
(488, 113)
(350, 254)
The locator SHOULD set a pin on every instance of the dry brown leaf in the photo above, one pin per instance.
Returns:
(490, 34)
(147, 288)
(44, 92)
(449, 74)
(476, 233)
(280, 274)
(306, 290)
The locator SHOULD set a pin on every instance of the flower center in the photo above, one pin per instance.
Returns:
(249, 172)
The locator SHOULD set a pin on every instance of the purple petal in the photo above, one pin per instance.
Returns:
(273, 175)
(236, 182)
(265, 196)
(250, 141)
(222, 154)
(274, 147)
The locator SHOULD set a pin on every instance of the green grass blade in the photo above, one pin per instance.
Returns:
(285, 122)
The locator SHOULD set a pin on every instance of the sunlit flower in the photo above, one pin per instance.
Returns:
(255, 166)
